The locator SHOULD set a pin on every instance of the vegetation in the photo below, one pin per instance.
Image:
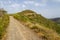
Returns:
(4, 20)
(45, 28)
(57, 20)
(36, 18)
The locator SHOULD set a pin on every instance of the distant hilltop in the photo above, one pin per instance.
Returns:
(57, 20)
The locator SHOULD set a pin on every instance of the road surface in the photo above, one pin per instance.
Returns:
(17, 31)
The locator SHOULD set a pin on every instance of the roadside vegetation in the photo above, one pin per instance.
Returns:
(44, 27)
(4, 21)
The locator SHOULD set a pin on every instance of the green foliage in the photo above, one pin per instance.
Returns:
(21, 17)
(37, 18)
(4, 20)
(44, 25)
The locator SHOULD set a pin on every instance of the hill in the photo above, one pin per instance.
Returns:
(42, 26)
(57, 20)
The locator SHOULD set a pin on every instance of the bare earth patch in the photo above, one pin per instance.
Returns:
(17, 31)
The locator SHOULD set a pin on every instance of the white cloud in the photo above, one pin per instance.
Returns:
(56, 0)
(9, 2)
(28, 2)
(1, 4)
(15, 5)
(42, 3)
(37, 4)
(23, 6)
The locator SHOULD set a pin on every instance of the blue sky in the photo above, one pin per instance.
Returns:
(47, 8)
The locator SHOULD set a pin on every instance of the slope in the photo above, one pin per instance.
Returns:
(45, 28)
(17, 31)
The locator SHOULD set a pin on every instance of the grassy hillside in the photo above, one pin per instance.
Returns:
(44, 28)
(4, 20)
(57, 20)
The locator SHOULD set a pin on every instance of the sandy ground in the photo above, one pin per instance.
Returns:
(17, 31)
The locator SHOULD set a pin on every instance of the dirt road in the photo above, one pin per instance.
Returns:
(17, 31)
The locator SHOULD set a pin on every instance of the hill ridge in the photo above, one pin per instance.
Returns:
(36, 21)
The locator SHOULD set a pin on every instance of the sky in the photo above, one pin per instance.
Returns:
(47, 8)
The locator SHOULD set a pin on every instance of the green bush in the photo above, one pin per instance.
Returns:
(4, 21)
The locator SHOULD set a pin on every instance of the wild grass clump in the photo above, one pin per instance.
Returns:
(4, 21)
